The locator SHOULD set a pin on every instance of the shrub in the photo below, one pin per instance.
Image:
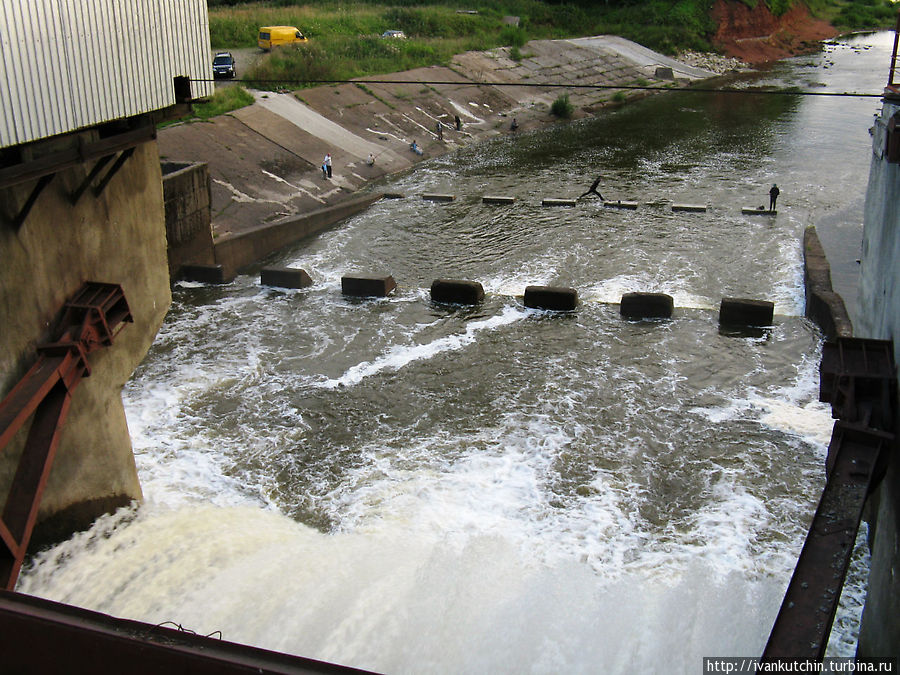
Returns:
(224, 100)
(561, 107)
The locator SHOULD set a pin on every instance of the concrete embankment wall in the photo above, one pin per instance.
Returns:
(188, 230)
(117, 237)
(823, 305)
(880, 319)
(250, 246)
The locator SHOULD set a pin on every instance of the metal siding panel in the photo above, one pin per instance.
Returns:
(70, 64)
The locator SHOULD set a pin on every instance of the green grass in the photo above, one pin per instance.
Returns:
(224, 100)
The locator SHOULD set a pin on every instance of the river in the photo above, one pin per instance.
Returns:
(410, 488)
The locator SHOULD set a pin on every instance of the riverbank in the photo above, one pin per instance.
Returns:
(265, 160)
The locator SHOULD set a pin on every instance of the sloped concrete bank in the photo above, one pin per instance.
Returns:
(264, 161)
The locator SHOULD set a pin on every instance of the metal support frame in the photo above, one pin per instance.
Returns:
(90, 320)
(113, 170)
(858, 378)
(94, 172)
(20, 217)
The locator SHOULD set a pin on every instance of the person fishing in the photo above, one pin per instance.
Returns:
(593, 189)
(773, 196)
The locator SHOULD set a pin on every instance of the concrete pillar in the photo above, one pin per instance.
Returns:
(456, 291)
(284, 277)
(368, 286)
(551, 297)
(646, 306)
(743, 312)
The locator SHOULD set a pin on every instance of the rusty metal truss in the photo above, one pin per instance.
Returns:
(90, 320)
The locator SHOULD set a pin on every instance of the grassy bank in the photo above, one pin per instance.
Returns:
(345, 37)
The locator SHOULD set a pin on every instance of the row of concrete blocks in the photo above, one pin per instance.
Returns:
(618, 204)
(634, 306)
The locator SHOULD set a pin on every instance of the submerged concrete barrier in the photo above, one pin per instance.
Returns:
(558, 202)
(551, 297)
(489, 199)
(646, 306)
(691, 208)
(205, 274)
(393, 195)
(368, 286)
(284, 277)
(743, 312)
(757, 211)
(456, 291)
(631, 206)
(438, 198)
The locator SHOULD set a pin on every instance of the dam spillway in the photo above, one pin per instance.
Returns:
(401, 486)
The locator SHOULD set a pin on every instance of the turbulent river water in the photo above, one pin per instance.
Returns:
(413, 488)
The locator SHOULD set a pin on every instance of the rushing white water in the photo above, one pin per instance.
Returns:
(407, 487)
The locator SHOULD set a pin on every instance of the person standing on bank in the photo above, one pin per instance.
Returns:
(327, 164)
(440, 131)
(773, 196)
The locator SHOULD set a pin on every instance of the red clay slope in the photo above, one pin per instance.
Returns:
(757, 36)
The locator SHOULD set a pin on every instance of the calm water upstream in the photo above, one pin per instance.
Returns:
(415, 488)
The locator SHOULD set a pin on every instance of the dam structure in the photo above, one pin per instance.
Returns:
(879, 299)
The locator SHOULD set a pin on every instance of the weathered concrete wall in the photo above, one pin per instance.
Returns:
(880, 318)
(188, 226)
(823, 305)
(239, 250)
(118, 237)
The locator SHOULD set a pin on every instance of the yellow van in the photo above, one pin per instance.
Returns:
(273, 36)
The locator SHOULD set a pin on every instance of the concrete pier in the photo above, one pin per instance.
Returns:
(551, 297)
(285, 277)
(744, 312)
(368, 286)
(630, 206)
(646, 306)
(430, 197)
(754, 211)
(558, 202)
(456, 291)
(497, 200)
(205, 274)
(689, 208)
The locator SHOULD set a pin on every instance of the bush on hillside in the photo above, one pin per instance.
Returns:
(561, 107)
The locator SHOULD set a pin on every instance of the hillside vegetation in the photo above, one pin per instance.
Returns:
(344, 37)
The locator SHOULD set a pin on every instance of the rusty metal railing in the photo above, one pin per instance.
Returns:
(894, 85)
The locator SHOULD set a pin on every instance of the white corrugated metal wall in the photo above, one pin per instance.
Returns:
(70, 64)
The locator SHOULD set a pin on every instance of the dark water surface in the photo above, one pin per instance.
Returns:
(409, 487)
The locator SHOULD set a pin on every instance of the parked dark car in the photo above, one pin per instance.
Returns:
(223, 65)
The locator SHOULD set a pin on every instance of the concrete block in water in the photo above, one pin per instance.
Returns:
(457, 291)
(646, 306)
(438, 198)
(754, 211)
(558, 202)
(284, 277)
(551, 297)
(691, 208)
(497, 200)
(205, 274)
(393, 195)
(365, 286)
(743, 312)
(618, 204)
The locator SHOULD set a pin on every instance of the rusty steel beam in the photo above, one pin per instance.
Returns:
(94, 315)
(41, 636)
(804, 621)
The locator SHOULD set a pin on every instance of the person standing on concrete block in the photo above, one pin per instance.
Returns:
(328, 164)
(773, 196)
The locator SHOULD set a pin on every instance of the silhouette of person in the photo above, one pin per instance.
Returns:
(514, 125)
(440, 131)
(326, 166)
(458, 122)
(593, 189)
(773, 196)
